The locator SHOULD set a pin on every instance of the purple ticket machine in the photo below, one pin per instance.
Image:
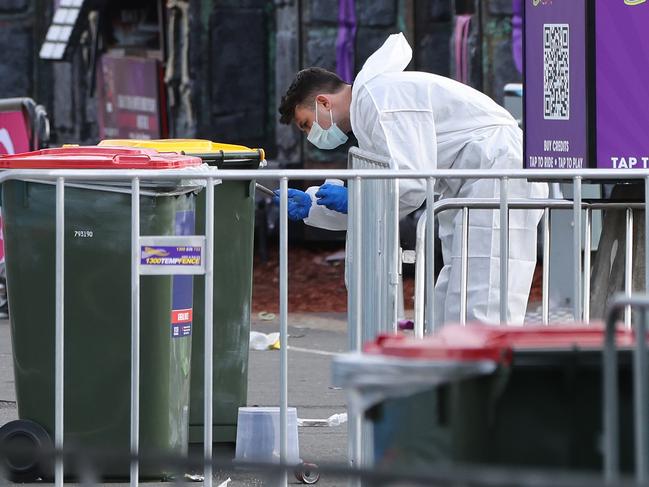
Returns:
(586, 84)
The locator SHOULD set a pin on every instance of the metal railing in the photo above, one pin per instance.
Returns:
(425, 476)
(581, 264)
(358, 272)
(373, 251)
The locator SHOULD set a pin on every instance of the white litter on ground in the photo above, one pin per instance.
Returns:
(263, 341)
(333, 420)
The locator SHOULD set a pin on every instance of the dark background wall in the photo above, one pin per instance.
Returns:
(241, 56)
(61, 87)
(18, 28)
(497, 60)
(235, 56)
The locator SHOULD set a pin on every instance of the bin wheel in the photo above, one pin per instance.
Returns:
(24, 447)
(307, 473)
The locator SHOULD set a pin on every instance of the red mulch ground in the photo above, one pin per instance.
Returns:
(315, 285)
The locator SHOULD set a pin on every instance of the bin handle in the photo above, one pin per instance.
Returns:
(221, 156)
(131, 159)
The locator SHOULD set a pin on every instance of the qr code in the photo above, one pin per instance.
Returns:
(556, 72)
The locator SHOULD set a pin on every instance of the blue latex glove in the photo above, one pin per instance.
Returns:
(299, 203)
(333, 197)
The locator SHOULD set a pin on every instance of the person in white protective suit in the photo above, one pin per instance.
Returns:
(421, 121)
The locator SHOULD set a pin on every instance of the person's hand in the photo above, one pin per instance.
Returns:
(299, 203)
(333, 197)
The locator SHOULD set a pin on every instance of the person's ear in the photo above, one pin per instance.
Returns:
(324, 101)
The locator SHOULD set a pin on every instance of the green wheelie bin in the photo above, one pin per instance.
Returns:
(234, 204)
(97, 364)
(525, 397)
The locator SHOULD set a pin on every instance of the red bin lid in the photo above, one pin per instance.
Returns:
(97, 158)
(483, 342)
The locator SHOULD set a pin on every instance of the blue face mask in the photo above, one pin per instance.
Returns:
(326, 138)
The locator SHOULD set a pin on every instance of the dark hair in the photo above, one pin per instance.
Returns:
(307, 84)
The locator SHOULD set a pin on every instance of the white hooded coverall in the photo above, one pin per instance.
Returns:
(421, 122)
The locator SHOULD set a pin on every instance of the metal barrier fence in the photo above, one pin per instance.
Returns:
(435, 475)
(375, 231)
(582, 263)
(373, 257)
(376, 243)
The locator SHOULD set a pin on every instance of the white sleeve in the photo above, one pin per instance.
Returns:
(408, 139)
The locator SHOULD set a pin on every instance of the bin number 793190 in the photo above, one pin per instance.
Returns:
(83, 233)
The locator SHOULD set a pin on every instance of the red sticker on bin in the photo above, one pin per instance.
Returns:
(181, 322)
(181, 316)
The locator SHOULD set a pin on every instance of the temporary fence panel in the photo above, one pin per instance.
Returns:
(373, 259)
(372, 251)
(372, 270)
(581, 258)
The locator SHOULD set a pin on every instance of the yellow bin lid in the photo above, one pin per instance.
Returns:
(188, 146)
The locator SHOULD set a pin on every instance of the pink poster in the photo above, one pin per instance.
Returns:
(14, 137)
(130, 106)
